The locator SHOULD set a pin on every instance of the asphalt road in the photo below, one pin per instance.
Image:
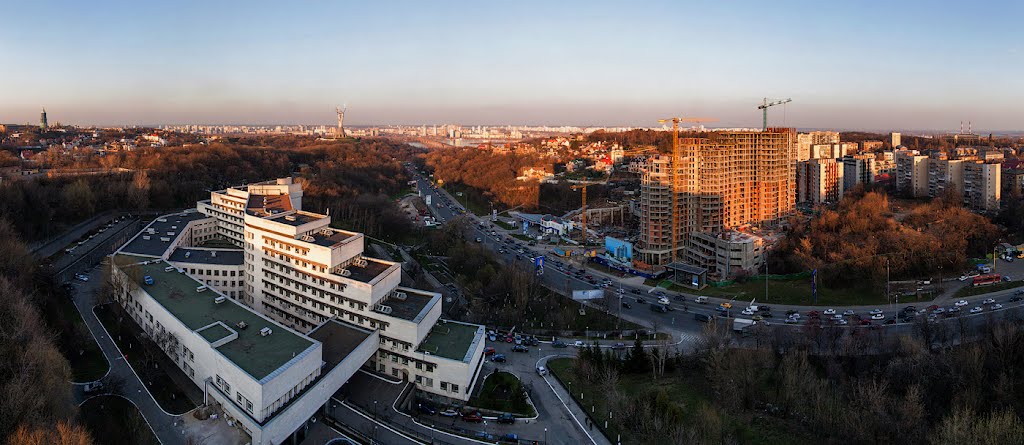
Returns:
(563, 277)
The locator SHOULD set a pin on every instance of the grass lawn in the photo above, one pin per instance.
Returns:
(687, 390)
(115, 420)
(74, 339)
(164, 389)
(969, 290)
(792, 292)
(504, 225)
(503, 391)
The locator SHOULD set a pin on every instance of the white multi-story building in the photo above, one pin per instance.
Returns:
(328, 309)
(819, 181)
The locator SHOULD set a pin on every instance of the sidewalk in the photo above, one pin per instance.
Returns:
(165, 426)
(577, 413)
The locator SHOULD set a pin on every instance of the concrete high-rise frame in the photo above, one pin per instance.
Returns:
(720, 181)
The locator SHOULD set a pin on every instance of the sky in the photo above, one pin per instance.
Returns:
(874, 65)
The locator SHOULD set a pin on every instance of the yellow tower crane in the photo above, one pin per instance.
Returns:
(675, 170)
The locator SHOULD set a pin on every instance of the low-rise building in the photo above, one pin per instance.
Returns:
(725, 254)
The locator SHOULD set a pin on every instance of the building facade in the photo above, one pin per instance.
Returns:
(721, 182)
(819, 181)
(912, 174)
(302, 280)
(858, 169)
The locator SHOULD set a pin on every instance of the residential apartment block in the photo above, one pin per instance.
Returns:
(858, 169)
(271, 330)
(819, 181)
(721, 182)
(979, 183)
(805, 142)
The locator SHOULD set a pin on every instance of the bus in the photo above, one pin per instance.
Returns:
(983, 280)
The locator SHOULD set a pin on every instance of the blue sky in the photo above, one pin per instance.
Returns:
(850, 65)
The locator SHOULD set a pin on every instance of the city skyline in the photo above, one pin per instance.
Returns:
(848, 67)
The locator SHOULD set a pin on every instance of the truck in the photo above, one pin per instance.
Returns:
(739, 324)
(427, 199)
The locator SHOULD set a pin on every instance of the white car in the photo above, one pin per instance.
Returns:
(877, 317)
(875, 311)
(829, 312)
(976, 309)
(542, 371)
(663, 300)
(842, 322)
(837, 317)
(579, 344)
(963, 278)
(996, 307)
(747, 311)
(989, 301)
(961, 303)
(848, 312)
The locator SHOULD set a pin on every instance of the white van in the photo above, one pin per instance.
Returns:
(701, 300)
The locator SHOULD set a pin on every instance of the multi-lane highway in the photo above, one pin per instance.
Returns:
(680, 308)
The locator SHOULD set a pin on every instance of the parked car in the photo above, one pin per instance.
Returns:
(426, 408)
(489, 350)
(450, 412)
(474, 417)
(619, 346)
(559, 344)
(579, 344)
(93, 387)
(506, 418)
(520, 348)
(510, 437)
(498, 358)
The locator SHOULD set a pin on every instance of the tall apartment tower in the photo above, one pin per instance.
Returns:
(912, 174)
(43, 126)
(858, 169)
(819, 181)
(721, 181)
(896, 140)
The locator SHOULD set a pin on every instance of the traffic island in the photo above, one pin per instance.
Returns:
(503, 392)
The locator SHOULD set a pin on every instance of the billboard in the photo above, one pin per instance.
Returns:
(590, 294)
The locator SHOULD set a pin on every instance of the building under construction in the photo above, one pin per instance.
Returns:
(720, 182)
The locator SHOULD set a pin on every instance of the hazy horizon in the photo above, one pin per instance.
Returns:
(914, 66)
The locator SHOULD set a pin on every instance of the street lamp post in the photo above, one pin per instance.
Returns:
(545, 436)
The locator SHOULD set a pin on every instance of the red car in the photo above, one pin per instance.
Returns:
(489, 350)
(473, 417)
(509, 339)
(932, 307)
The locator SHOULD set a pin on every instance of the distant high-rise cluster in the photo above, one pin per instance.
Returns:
(974, 177)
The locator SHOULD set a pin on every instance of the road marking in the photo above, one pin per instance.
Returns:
(570, 411)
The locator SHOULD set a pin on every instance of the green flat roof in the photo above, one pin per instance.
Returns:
(450, 339)
(255, 354)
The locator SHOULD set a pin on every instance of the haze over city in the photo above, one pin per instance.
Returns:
(904, 65)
